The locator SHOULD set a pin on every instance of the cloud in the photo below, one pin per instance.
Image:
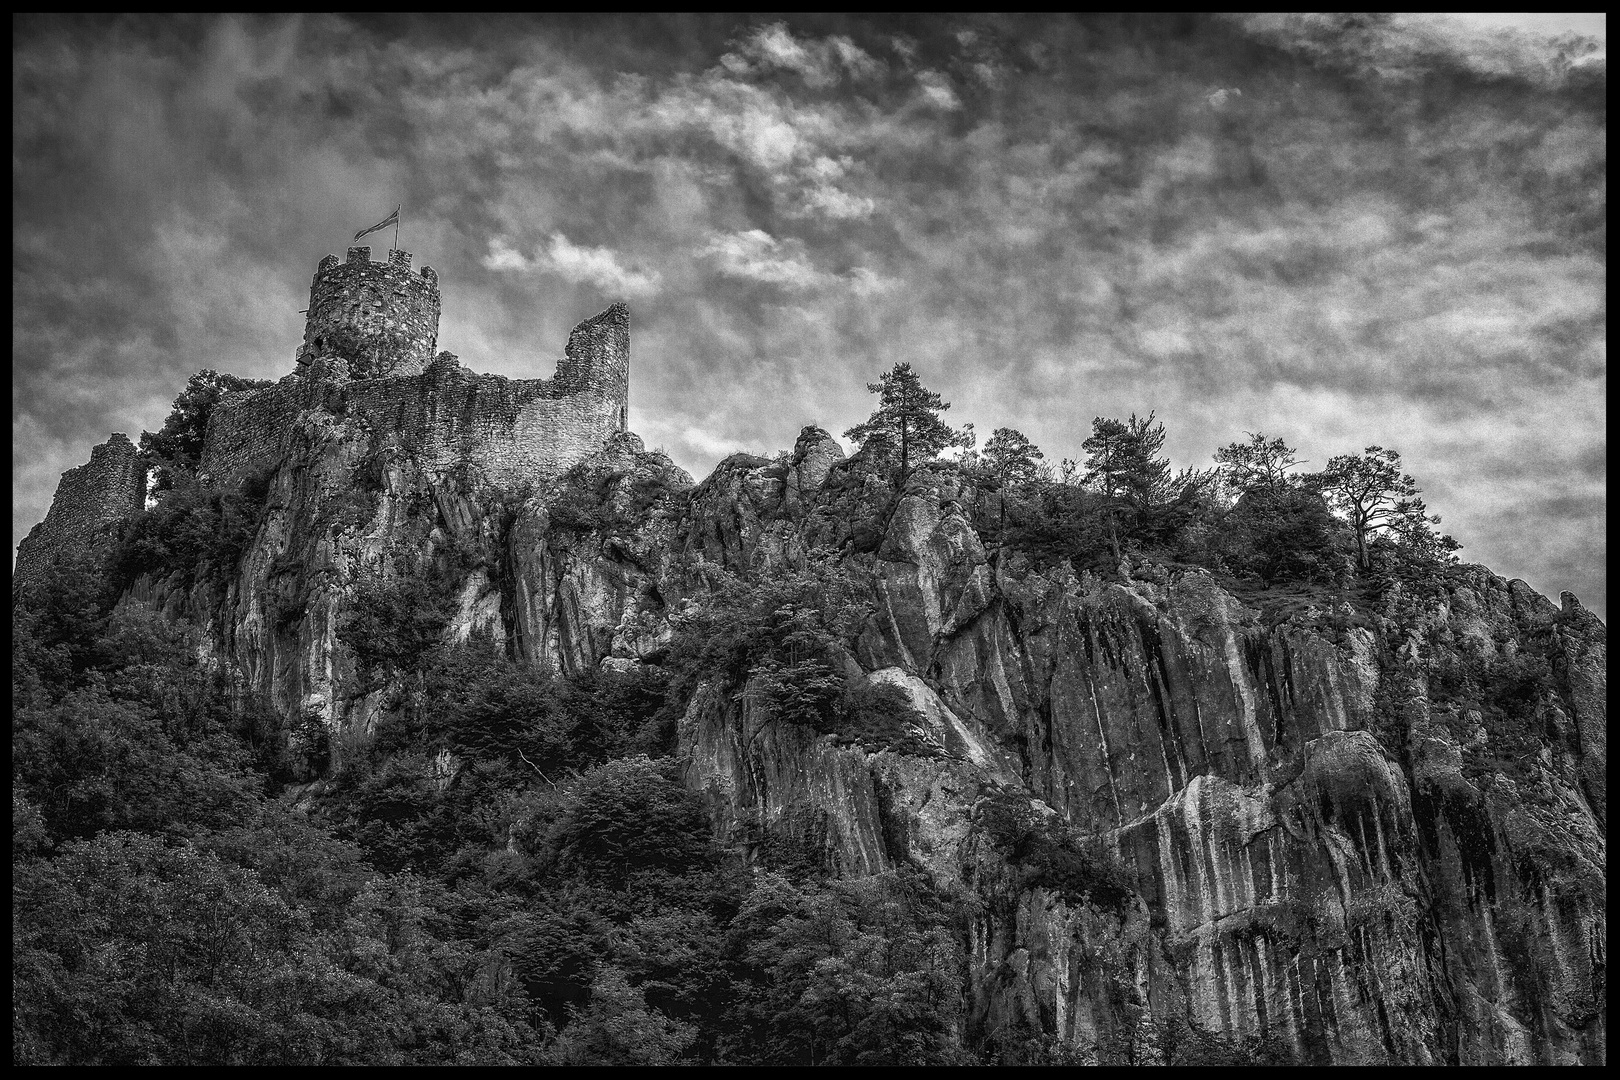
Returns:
(936, 91)
(755, 255)
(1405, 47)
(823, 197)
(798, 151)
(864, 281)
(596, 266)
(503, 256)
(820, 62)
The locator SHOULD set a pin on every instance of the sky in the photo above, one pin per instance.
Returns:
(1340, 230)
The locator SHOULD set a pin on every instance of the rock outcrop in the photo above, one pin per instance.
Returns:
(1319, 831)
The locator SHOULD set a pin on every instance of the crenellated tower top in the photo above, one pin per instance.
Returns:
(379, 317)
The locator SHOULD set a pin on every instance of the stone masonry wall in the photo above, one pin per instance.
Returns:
(248, 430)
(380, 317)
(109, 488)
(513, 430)
(597, 359)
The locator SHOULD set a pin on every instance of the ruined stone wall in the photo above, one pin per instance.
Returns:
(597, 359)
(379, 317)
(513, 430)
(90, 499)
(248, 431)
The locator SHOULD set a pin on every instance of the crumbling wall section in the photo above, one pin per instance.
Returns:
(596, 362)
(90, 501)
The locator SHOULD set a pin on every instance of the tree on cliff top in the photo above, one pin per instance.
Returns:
(907, 418)
(1260, 462)
(1122, 460)
(1123, 464)
(1011, 458)
(1371, 490)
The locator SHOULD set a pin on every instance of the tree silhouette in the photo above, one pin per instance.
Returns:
(1371, 490)
(907, 418)
(1123, 463)
(179, 443)
(1260, 462)
(1010, 458)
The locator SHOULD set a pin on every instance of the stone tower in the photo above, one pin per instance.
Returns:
(379, 318)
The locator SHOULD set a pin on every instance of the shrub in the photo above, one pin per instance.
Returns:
(1283, 533)
(811, 694)
(628, 816)
(391, 624)
(795, 843)
(1060, 521)
(1048, 855)
(197, 532)
(880, 717)
(592, 498)
(791, 619)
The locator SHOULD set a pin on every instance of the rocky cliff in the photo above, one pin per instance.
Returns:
(1332, 831)
(1322, 850)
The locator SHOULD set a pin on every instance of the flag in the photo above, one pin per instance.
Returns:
(391, 219)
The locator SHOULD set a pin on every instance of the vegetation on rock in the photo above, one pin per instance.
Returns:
(627, 838)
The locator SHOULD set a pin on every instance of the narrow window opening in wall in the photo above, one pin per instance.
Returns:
(151, 490)
(624, 416)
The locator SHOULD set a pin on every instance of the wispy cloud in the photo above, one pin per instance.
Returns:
(820, 62)
(936, 90)
(755, 255)
(1410, 46)
(596, 266)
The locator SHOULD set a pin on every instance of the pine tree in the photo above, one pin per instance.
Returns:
(1011, 458)
(907, 418)
(1123, 463)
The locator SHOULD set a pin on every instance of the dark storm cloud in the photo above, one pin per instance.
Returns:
(1342, 232)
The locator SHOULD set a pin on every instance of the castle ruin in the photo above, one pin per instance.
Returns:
(368, 355)
(91, 500)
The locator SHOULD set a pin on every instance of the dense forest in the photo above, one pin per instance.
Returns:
(512, 864)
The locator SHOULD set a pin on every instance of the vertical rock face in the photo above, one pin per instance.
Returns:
(1307, 875)
(1341, 836)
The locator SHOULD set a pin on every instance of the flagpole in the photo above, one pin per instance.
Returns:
(396, 228)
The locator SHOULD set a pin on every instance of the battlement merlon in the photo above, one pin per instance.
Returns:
(362, 254)
(597, 360)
